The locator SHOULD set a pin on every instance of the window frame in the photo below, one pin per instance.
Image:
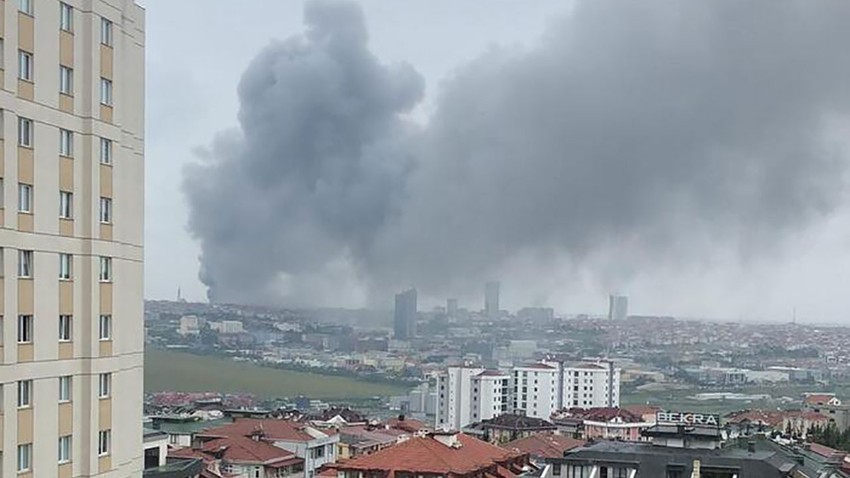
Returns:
(65, 448)
(106, 269)
(66, 80)
(26, 261)
(66, 388)
(25, 198)
(105, 151)
(105, 215)
(104, 442)
(66, 328)
(24, 330)
(24, 465)
(66, 266)
(107, 32)
(66, 17)
(106, 91)
(25, 393)
(66, 205)
(104, 328)
(66, 143)
(26, 66)
(27, 7)
(26, 132)
(104, 385)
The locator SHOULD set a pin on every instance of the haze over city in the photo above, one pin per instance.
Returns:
(671, 174)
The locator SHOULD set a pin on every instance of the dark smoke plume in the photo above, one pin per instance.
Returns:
(671, 127)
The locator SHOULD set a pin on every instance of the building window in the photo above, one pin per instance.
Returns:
(66, 17)
(556, 469)
(25, 264)
(66, 143)
(105, 269)
(24, 457)
(105, 329)
(66, 81)
(65, 328)
(105, 92)
(106, 32)
(104, 442)
(105, 151)
(24, 329)
(24, 393)
(24, 197)
(2, 193)
(25, 6)
(65, 388)
(66, 264)
(106, 210)
(25, 132)
(24, 65)
(105, 385)
(65, 449)
(66, 205)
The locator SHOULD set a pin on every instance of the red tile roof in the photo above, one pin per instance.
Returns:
(825, 451)
(642, 409)
(407, 424)
(240, 449)
(544, 446)
(541, 366)
(818, 398)
(427, 455)
(601, 414)
(492, 373)
(272, 429)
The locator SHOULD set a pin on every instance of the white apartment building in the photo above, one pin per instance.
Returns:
(490, 395)
(71, 242)
(535, 390)
(588, 385)
(454, 397)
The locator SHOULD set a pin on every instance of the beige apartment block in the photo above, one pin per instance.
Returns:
(71, 229)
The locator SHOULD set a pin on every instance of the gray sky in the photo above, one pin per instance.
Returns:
(194, 69)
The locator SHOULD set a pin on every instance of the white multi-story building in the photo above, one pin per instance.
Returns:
(589, 385)
(454, 397)
(535, 390)
(490, 395)
(72, 129)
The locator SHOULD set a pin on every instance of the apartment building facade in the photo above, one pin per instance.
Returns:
(470, 394)
(71, 209)
(535, 390)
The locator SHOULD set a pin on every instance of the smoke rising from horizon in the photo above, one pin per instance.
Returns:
(639, 131)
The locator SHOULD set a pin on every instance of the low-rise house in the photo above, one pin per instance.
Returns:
(606, 423)
(316, 447)
(447, 454)
(336, 417)
(509, 427)
(246, 457)
(359, 440)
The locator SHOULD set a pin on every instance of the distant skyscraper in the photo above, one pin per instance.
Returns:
(491, 299)
(405, 315)
(618, 307)
(451, 307)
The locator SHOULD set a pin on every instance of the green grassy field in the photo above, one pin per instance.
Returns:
(185, 372)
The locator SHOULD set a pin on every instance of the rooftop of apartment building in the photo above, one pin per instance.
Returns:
(269, 429)
(544, 445)
(599, 414)
(515, 422)
(442, 454)
(648, 460)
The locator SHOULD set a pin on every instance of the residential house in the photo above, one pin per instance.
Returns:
(447, 454)
(509, 427)
(316, 447)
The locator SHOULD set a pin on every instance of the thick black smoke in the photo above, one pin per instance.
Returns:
(661, 125)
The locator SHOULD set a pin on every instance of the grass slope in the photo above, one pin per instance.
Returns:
(185, 372)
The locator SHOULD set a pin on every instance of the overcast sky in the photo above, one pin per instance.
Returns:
(196, 57)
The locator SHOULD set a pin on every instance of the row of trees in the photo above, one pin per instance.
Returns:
(830, 436)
